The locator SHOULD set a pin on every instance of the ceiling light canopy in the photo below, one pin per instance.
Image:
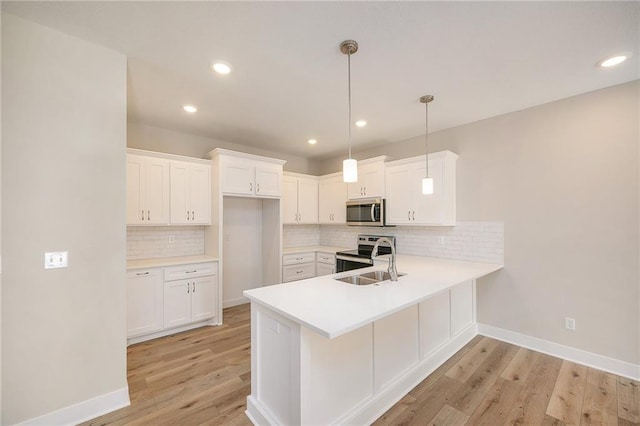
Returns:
(190, 108)
(221, 67)
(614, 60)
(361, 123)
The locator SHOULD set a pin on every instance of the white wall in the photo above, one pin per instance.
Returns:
(63, 189)
(242, 248)
(564, 179)
(151, 138)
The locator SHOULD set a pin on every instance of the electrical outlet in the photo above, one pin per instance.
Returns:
(570, 324)
(172, 239)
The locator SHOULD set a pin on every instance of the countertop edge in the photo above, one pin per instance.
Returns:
(161, 262)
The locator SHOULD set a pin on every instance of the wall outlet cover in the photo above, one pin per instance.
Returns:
(58, 259)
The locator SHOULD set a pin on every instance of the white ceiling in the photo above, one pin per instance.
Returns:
(289, 80)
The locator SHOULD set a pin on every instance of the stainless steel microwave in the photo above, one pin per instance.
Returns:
(366, 212)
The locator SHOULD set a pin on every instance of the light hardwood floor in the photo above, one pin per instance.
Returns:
(203, 377)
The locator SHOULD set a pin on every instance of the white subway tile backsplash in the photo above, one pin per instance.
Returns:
(146, 242)
(301, 235)
(474, 241)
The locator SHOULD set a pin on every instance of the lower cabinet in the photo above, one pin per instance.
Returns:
(144, 301)
(300, 266)
(325, 264)
(161, 299)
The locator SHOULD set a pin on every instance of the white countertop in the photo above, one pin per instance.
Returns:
(321, 249)
(168, 261)
(333, 308)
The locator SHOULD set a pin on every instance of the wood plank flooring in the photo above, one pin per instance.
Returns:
(202, 377)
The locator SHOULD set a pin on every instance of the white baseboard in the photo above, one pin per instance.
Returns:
(83, 411)
(590, 359)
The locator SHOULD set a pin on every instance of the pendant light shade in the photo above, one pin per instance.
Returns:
(427, 182)
(350, 165)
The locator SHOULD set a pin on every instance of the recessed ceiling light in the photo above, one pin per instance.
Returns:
(361, 123)
(190, 108)
(312, 141)
(221, 67)
(613, 60)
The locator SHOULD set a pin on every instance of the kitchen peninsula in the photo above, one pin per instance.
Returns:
(327, 352)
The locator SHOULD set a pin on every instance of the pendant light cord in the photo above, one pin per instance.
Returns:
(426, 138)
(349, 90)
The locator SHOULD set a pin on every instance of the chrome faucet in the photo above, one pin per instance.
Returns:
(393, 272)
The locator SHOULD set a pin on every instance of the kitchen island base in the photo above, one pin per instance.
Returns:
(301, 377)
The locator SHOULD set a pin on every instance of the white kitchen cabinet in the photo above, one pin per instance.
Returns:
(144, 301)
(190, 193)
(248, 175)
(332, 197)
(325, 263)
(148, 190)
(406, 205)
(298, 266)
(299, 199)
(371, 177)
(188, 301)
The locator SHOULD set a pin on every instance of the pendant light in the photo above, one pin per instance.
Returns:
(427, 182)
(350, 165)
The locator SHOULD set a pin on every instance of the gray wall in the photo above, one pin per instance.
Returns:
(63, 188)
(564, 179)
(151, 138)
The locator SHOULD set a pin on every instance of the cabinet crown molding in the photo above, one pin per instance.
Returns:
(237, 154)
(175, 157)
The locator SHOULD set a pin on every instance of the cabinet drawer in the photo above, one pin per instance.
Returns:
(193, 270)
(326, 258)
(294, 258)
(298, 272)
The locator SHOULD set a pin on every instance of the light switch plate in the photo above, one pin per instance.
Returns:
(58, 259)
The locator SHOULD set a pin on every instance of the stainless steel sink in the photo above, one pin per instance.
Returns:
(378, 275)
(367, 278)
(357, 280)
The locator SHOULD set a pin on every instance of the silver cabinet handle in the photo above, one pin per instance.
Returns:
(413, 215)
(409, 215)
(142, 214)
(299, 272)
(143, 273)
(187, 214)
(192, 215)
(191, 272)
(148, 214)
(194, 287)
(257, 187)
(187, 288)
(251, 186)
(365, 191)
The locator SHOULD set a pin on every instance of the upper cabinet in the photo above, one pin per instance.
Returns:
(166, 189)
(148, 190)
(406, 205)
(190, 193)
(299, 199)
(370, 182)
(248, 175)
(332, 198)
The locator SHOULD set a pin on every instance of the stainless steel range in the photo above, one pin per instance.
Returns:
(361, 258)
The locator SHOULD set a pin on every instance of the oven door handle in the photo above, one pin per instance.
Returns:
(354, 259)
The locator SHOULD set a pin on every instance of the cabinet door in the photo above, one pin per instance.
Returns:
(200, 194)
(144, 302)
(370, 182)
(136, 180)
(238, 178)
(400, 195)
(203, 298)
(430, 209)
(332, 197)
(268, 181)
(180, 206)
(307, 200)
(157, 191)
(325, 269)
(289, 200)
(177, 303)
